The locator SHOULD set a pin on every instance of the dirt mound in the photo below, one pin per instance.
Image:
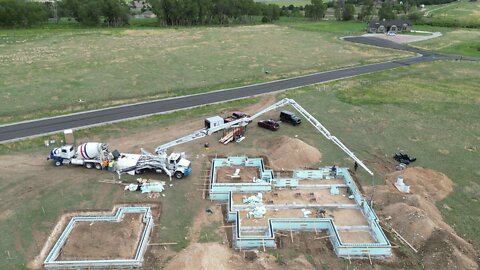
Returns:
(417, 219)
(287, 153)
(448, 251)
(424, 181)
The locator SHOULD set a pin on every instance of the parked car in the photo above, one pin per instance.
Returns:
(269, 124)
(235, 116)
(391, 33)
(290, 117)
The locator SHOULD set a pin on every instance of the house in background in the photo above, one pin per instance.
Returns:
(389, 26)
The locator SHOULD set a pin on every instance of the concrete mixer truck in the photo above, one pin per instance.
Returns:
(96, 155)
(90, 155)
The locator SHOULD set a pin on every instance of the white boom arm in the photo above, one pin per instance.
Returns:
(244, 121)
(316, 124)
(200, 134)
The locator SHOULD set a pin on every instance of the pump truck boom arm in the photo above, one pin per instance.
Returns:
(200, 134)
(315, 123)
(244, 121)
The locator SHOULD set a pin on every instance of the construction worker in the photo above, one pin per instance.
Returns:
(110, 165)
(334, 171)
(355, 166)
(105, 163)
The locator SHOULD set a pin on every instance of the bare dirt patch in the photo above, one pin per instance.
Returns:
(104, 239)
(417, 219)
(247, 174)
(290, 153)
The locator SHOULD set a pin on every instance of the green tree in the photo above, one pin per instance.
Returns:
(21, 13)
(366, 11)
(338, 6)
(316, 10)
(348, 12)
(115, 12)
(386, 11)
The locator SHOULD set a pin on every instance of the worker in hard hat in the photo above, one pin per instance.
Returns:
(110, 165)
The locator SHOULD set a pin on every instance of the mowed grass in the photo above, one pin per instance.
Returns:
(52, 71)
(461, 12)
(337, 28)
(460, 41)
(429, 110)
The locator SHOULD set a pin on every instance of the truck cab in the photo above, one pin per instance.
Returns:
(62, 153)
(177, 163)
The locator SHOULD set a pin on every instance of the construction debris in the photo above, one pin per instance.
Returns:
(146, 186)
(401, 186)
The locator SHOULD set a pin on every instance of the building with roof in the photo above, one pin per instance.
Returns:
(385, 26)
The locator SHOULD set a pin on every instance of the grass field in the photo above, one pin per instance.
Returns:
(462, 13)
(460, 41)
(52, 71)
(337, 28)
(432, 115)
(435, 120)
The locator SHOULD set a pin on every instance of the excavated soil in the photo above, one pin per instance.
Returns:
(417, 219)
(221, 257)
(287, 153)
(104, 239)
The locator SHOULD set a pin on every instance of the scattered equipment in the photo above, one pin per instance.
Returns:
(403, 158)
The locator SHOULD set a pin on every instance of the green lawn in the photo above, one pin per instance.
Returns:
(461, 13)
(48, 71)
(337, 28)
(429, 110)
(459, 41)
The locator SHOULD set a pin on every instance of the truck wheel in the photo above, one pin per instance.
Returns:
(88, 165)
(178, 175)
(58, 163)
(98, 166)
(138, 171)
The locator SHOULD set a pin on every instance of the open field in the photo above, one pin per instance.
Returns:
(460, 41)
(338, 28)
(56, 71)
(462, 13)
(374, 115)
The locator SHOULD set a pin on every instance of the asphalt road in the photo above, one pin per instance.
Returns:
(90, 118)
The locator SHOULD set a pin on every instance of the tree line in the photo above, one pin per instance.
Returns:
(199, 12)
(95, 12)
(21, 13)
(24, 13)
